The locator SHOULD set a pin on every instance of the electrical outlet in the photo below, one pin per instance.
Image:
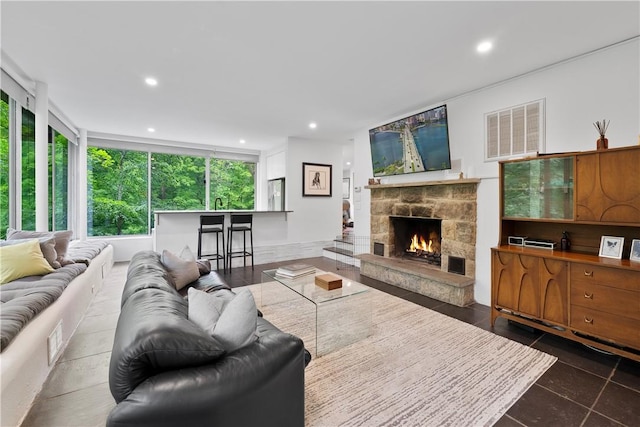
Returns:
(54, 342)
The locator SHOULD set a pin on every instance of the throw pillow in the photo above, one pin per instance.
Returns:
(232, 324)
(187, 254)
(47, 247)
(204, 266)
(237, 324)
(62, 246)
(22, 260)
(62, 240)
(182, 271)
(205, 308)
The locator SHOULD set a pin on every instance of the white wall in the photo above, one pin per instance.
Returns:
(313, 218)
(603, 85)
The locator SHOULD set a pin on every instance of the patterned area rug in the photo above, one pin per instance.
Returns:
(416, 368)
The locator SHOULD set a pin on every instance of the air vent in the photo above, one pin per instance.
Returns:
(378, 248)
(515, 131)
(456, 265)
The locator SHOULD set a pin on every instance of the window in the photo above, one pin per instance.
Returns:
(28, 170)
(177, 182)
(232, 181)
(126, 187)
(515, 131)
(58, 180)
(118, 187)
(4, 164)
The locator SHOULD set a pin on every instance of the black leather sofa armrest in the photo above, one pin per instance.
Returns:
(261, 384)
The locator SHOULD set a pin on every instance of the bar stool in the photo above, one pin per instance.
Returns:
(240, 223)
(212, 224)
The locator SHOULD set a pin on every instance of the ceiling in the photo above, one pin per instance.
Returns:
(262, 71)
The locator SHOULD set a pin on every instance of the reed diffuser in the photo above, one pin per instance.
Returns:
(602, 143)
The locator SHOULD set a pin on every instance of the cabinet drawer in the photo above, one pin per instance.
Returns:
(612, 277)
(614, 301)
(610, 327)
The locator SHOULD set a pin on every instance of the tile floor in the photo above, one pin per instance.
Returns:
(584, 388)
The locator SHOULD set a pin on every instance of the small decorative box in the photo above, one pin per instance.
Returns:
(328, 281)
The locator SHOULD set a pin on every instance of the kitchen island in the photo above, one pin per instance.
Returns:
(176, 229)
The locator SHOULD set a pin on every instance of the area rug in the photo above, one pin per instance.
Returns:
(416, 368)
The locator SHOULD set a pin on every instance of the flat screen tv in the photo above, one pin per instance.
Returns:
(418, 143)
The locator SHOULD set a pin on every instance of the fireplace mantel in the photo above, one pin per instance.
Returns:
(425, 183)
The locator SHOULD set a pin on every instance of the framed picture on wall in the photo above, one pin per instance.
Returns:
(611, 247)
(316, 180)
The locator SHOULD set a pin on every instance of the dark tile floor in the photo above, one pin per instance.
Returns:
(583, 388)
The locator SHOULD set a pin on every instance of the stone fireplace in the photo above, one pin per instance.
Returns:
(442, 213)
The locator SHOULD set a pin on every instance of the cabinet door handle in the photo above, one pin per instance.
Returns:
(588, 273)
(588, 296)
(587, 320)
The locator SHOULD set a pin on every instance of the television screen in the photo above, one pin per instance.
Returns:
(417, 143)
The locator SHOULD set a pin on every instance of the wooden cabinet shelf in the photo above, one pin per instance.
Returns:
(575, 294)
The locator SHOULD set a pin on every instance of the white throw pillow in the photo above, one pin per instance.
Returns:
(233, 323)
(205, 309)
(236, 326)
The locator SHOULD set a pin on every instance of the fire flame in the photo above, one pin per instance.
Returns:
(420, 245)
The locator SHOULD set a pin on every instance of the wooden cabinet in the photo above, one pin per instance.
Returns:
(605, 303)
(575, 294)
(609, 187)
(530, 286)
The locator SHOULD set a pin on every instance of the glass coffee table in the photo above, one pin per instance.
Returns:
(337, 318)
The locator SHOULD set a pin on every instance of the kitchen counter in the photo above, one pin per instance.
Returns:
(176, 229)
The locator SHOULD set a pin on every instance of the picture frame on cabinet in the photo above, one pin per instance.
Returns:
(635, 250)
(611, 247)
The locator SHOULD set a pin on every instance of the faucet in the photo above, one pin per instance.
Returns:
(215, 203)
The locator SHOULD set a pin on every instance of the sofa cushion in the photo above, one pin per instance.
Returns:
(47, 247)
(62, 240)
(22, 260)
(232, 322)
(182, 271)
(154, 335)
(146, 271)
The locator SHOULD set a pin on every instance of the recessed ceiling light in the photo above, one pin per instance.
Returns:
(348, 163)
(484, 47)
(151, 130)
(313, 125)
(151, 81)
(242, 141)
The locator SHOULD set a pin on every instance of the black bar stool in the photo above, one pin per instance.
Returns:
(240, 223)
(213, 224)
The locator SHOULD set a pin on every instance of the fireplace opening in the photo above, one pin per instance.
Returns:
(417, 238)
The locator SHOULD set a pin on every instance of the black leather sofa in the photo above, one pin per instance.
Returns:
(166, 371)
